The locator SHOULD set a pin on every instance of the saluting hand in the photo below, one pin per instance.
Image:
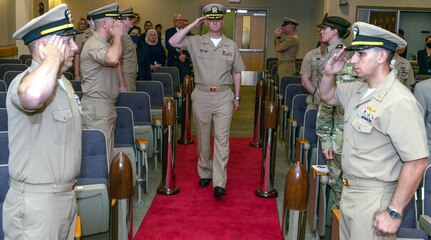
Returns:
(53, 49)
(277, 32)
(336, 63)
(198, 21)
(117, 30)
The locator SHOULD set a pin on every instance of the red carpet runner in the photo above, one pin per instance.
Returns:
(195, 214)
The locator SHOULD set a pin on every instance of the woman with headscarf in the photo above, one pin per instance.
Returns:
(155, 50)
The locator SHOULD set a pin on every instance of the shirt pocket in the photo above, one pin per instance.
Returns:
(63, 127)
(203, 54)
(362, 140)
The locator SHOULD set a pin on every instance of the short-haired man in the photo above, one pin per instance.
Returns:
(382, 162)
(129, 62)
(44, 134)
(287, 45)
(100, 57)
(218, 64)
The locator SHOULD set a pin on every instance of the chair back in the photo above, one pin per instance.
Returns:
(427, 192)
(310, 118)
(286, 80)
(4, 148)
(268, 62)
(10, 61)
(175, 74)
(11, 67)
(76, 84)
(3, 86)
(68, 75)
(139, 103)
(9, 76)
(420, 78)
(94, 162)
(299, 106)
(24, 57)
(3, 119)
(3, 99)
(28, 62)
(4, 187)
(154, 90)
(166, 80)
(4, 174)
(124, 135)
(408, 228)
(291, 91)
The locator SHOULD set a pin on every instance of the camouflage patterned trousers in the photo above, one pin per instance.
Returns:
(335, 178)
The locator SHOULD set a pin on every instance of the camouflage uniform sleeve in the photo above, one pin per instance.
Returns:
(325, 124)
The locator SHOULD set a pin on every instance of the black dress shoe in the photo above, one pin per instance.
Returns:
(219, 191)
(204, 182)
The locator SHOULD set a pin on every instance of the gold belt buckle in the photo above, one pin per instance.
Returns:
(213, 89)
(346, 182)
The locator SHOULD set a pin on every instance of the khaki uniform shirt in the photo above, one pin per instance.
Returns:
(213, 65)
(380, 131)
(310, 67)
(404, 71)
(45, 144)
(291, 46)
(129, 62)
(99, 81)
(80, 39)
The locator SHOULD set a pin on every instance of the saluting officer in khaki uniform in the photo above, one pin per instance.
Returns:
(99, 62)
(129, 62)
(382, 162)
(80, 40)
(217, 64)
(287, 45)
(44, 134)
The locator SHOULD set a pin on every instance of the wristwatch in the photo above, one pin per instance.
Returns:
(238, 98)
(394, 213)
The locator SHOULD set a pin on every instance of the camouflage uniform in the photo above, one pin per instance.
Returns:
(329, 128)
(404, 71)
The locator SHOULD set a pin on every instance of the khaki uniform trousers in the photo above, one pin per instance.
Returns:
(39, 215)
(217, 107)
(130, 81)
(100, 114)
(360, 200)
(286, 68)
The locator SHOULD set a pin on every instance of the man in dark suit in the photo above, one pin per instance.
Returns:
(177, 57)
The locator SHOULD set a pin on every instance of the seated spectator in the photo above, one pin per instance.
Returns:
(155, 50)
(424, 58)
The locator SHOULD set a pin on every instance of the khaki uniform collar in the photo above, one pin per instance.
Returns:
(334, 45)
(381, 91)
(207, 40)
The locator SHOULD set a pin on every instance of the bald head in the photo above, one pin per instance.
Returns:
(178, 20)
